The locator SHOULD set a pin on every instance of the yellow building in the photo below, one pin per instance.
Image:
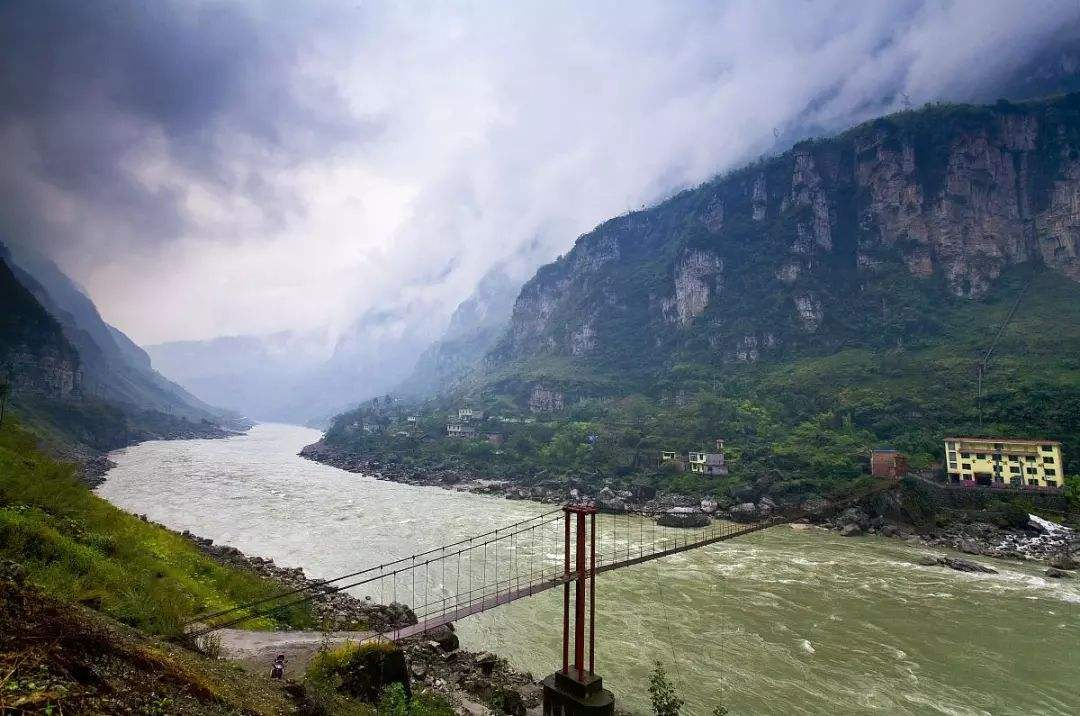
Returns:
(1001, 462)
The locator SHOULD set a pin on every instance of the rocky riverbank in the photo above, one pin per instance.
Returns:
(1035, 540)
(473, 681)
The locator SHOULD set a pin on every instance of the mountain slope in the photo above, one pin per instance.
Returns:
(805, 309)
(34, 354)
(837, 242)
(114, 367)
(475, 326)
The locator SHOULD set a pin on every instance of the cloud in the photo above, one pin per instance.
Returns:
(208, 168)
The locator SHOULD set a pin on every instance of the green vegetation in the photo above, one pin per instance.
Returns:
(56, 658)
(801, 425)
(352, 678)
(394, 702)
(79, 548)
(665, 701)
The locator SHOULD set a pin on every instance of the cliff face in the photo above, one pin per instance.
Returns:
(34, 355)
(475, 326)
(112, 366)
(849, 240)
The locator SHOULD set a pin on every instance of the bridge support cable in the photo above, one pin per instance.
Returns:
(525, 571)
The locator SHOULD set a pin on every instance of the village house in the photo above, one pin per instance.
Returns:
(460, 430)
(1004, 462)
(707, 463)
(886, 462)
(468, 414)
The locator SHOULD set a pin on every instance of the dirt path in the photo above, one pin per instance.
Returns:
(255, 650)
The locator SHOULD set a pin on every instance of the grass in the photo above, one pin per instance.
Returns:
(56, 658)
(79, 548)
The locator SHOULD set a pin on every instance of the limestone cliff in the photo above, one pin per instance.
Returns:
(841, 241)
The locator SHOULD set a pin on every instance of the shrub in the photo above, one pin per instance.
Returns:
(665, 702)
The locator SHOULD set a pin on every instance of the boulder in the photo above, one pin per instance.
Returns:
(927, 560)
(1056, 573)
(683, 517)
(486, 661)
(968, 546)
(854, 516)
(709, 506)
(744, 512)
(850, 530)
(1063, 560)
(964, 565)
(611, 504)
(368, 668)
(445, 637)
(766, 505)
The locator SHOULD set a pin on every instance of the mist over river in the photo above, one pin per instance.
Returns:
(781, 621)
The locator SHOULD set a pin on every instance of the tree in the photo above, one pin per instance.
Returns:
(5, 393)
(665, 702)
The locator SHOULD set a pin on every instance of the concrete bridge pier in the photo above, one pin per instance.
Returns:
(567, 695)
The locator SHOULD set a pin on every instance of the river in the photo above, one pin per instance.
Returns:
(783, 621)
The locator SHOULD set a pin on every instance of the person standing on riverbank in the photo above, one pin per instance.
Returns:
(277, 671)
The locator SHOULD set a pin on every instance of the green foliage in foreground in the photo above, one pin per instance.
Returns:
(394, 702)
(349, 678)
(78, 547)
(665, 701)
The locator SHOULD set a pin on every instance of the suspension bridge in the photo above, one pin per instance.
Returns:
(566, 547)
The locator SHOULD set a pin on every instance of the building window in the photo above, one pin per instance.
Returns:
(999, 478)
(1048, 461)
(952, 455)
(997, 468)
(1032, 471)
(1049, 471)
(1014, 468)
(997, 446)
(1015, 481)
(997, 457)
(1033, 482)
(1014, 458)
(1030, 458)
(1048, 448)
(1051, 483)
(980, 456)
(965, 455)
(966, 466)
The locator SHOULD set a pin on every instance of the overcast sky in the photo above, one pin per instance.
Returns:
(209, 168)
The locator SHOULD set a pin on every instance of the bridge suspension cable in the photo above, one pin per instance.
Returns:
(479, 573)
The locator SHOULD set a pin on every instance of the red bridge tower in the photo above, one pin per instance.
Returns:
(574, 690)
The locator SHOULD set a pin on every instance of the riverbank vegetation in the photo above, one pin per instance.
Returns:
(798, 425)
(80, 549)
(60, 658)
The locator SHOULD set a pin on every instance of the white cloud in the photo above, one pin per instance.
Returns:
(383, 156)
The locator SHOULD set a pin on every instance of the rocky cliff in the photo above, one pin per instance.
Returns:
(475, 326)
(113, 367)
(850, 240)
(35, 357)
